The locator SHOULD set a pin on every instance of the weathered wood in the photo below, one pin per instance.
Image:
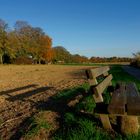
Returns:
(133, 100)
(99, 71)
(125, 102)
(118, 101)
(98, 97)
(89, 74)
(106, 74)
(105, 122)
(92, 82)
(103, 85)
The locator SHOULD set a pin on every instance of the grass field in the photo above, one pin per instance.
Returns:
(46, 102)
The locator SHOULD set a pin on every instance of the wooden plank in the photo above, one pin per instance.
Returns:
(92, 82)
(105, 122)
(133, 100)
(99, 71)
(118, 101)
(106, 74)
(103, 85)
(98, 98)
(89, 74)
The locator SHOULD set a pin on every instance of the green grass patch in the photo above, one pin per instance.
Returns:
(120, 75)
(91, 64)
(68, 94)
(87, 104)
(36, 124)
(78, 128)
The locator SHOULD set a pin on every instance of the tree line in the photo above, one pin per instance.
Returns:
(24, 41)
(64, 56)
(27, 44)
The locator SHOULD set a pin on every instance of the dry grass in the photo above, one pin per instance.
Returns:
(25, 87)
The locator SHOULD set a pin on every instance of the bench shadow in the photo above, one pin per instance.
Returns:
(27, 94)
(8, 92)
(59, 104)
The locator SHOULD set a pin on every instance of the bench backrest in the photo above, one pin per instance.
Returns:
(98, 86)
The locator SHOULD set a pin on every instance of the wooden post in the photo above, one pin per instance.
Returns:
(129, 125)
(105, 121)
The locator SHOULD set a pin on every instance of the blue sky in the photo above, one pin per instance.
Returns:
(88, 27)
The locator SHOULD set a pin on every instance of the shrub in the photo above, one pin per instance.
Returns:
(22, 60)
(135, 63)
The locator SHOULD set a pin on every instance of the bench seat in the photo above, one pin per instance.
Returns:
(125, 100)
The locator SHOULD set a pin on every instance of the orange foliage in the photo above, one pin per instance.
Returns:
(47, 52)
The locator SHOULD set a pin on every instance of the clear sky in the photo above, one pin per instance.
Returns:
(88, 27)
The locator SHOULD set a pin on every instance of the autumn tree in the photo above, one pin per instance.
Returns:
(79, 59)
(33, 42)
(61, 54)
(3, 39)
(48, 51)
(12, 45)
(24, 33)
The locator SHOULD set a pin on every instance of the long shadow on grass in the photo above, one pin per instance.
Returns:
(27, 94)
(8, 92)
(23, 95)
(23, 128)
(66, 101)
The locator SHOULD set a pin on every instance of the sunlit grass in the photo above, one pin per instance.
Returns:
(37, 123)
(119, 75)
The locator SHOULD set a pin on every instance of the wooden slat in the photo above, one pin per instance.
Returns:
(89, 74)
(92, 82)
(99, 71)
(98, 98)
(106, 74)
(133, 100)
(105, 121)
(118, 101)
(103, 85)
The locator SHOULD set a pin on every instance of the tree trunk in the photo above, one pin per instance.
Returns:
(39, 61)
(1, 59)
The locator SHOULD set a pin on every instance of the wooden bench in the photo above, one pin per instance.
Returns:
(124, 103)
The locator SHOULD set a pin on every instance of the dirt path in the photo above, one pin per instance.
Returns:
(132, 71)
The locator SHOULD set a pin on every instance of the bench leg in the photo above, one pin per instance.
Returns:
(129, 125)
(105, 121)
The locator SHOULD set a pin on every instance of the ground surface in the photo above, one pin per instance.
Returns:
(132, 71)
(24, 88)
